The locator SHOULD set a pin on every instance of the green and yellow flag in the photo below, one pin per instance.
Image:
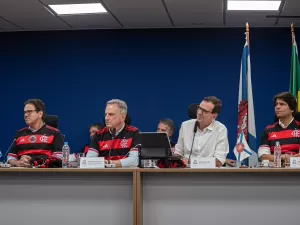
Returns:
(295, 71)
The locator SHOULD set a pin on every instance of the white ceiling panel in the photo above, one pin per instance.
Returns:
(54, 2)
(4, 25)
(101, 20)
(30, 15)
(258, 19)
(139, 13)
(196, 12)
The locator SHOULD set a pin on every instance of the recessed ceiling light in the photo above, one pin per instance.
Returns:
(67, 9)
(253, 5)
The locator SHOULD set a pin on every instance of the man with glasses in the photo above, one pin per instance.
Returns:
(204, 136)
(37, 141)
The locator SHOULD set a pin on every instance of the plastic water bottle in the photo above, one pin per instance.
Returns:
(277, 155)
(65, 154)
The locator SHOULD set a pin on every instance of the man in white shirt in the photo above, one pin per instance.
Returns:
(204, 136)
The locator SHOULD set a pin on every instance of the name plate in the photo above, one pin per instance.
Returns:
(295, 162)
(203, 162)
(92, 162)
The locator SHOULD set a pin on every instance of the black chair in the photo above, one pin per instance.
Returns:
(128, 120)
(51, 120)
(192, 111)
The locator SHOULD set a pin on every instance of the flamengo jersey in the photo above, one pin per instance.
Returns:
(289, 138)
(102, 142)
(45, 141)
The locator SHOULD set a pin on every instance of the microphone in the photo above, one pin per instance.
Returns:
(5, 155)
(113, 134)
(195, 130)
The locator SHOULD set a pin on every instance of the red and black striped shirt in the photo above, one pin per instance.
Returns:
(126, 139)
(46, 141)
(289, 137)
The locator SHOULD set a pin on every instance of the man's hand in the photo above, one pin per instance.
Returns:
(230, 162)
(185, 161)
(24, 161)
(218, 163)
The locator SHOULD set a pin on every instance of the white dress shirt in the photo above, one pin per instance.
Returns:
(211, 142)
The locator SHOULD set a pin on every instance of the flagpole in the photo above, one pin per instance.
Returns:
(293, 33)
(247, 34)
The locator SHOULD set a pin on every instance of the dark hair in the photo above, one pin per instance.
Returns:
(288, 98)
(38, 105)
(170, 123)
(97, 125)
(217, 102)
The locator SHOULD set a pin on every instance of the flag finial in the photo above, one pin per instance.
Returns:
(247, 27)
(293, 33)
(247, 34)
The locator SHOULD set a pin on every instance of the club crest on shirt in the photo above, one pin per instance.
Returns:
(44, 139)
(32, 139)
(296, 133)
(124, 143)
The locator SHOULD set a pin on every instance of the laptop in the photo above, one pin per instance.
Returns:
(154, 145)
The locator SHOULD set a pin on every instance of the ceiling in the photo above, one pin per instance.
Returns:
(18, 15)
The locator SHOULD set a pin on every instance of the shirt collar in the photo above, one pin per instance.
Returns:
(32, 130)
(282, 125)
(118, 131)
(210, 127)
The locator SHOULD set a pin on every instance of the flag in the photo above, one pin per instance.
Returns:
(246, 132)
(295, 72)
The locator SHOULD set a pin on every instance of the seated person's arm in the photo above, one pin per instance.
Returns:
(230, 162)
(179, 149)
(12, 157)
(222, 147)
(93, 148)
(133, 156)
(131, 161)
(264, 152)
(58, 143)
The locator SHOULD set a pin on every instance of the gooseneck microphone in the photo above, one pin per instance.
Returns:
(113, 134)
(9, 148)
(195, 130)
(6, 153)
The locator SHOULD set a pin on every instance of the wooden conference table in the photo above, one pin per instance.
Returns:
(149, 196)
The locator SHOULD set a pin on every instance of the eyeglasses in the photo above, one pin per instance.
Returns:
(204, 111)
(29, 111)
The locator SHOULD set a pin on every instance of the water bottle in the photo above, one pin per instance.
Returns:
(277, 155)
(65, 154)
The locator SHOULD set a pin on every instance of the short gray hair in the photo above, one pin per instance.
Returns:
(170, 123)
(121, 105)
